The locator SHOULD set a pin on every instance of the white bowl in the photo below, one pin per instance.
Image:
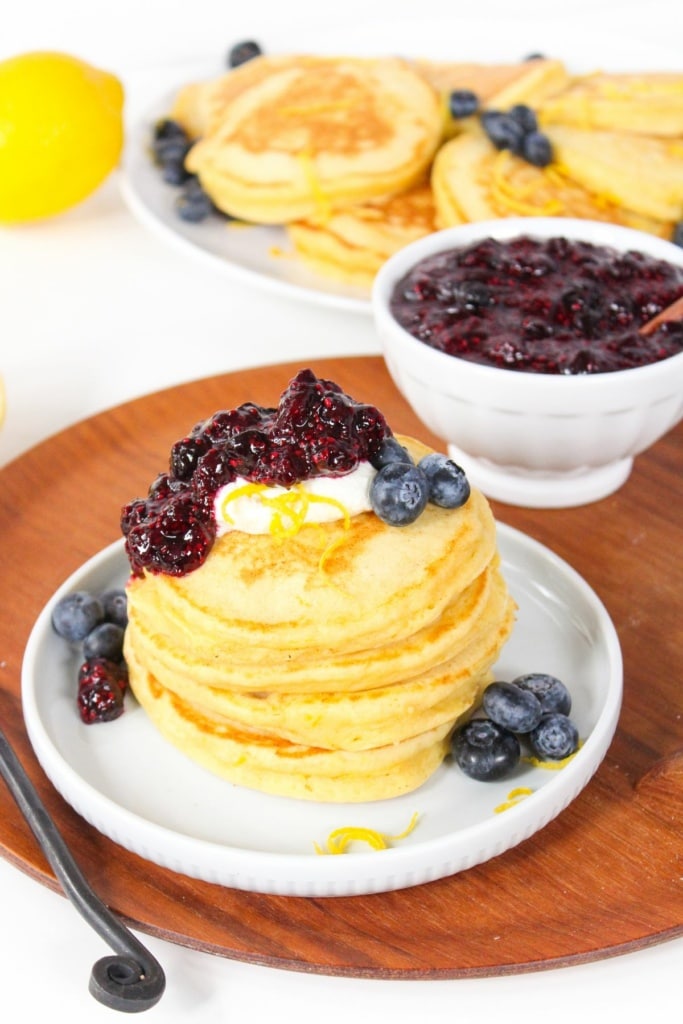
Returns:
(536, 440)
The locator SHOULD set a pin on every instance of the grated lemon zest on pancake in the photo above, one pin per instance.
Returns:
(514, 797)
(322, 201)
(332, 546)
(560, 176)
(513, 197)
(339, 839)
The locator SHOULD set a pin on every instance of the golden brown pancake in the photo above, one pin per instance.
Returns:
(199, 106)
(472, 181)
(641, 103)
(281, 768)
(352, 244)
(316, 136)
(641, 173)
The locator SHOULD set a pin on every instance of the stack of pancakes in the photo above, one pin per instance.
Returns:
(332, 665)
(358, 157)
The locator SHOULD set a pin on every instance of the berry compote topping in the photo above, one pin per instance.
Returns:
(316, 430)
(542, 306)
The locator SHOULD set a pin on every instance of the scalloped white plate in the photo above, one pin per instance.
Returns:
(131, 785)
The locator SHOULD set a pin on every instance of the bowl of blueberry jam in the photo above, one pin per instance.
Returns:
(544, 351)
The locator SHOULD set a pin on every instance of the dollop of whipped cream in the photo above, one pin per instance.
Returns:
(260, 508)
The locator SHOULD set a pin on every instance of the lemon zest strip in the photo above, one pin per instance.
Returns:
(514, 797)
(322, 201)
(514, 197)
(289, 509)
(339, 839)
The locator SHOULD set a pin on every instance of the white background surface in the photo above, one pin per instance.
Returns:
(95, 310)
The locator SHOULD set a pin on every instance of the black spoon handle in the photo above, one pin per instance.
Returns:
(130, 981)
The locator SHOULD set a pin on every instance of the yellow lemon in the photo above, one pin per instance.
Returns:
(61, 133)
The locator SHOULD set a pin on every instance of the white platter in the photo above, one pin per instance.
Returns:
(132, 786)
(262, 256)
(258, 255)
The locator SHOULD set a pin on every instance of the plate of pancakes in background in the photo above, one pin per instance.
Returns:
(318, 167)
(150, 797)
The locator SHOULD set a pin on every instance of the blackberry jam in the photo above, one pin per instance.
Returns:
(542, 306)
(316, 430)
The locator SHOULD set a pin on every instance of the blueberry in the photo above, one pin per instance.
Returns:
(512, 707)
(76, 615)
(552, 693)
(173, 169)
(193, 204)
(677, 237)
(463, 103)
(448, 484)
(391, 450)
(170, 142)
(554, 738)
(537, 149)
(167, 129)
(525, 117)
(485, 751)
(399, 493)
(104, 641)
(243, 52)
(503, 130)
(115, 604)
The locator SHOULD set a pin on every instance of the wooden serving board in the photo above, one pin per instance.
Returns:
(603, 878)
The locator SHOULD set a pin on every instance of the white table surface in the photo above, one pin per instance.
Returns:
(96, 310)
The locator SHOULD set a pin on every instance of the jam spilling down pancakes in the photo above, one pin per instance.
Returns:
(284, 633)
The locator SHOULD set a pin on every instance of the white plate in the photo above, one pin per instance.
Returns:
(246, 253)
(142, 793)
(258, 255)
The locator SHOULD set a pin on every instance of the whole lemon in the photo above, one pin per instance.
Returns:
(61, 133)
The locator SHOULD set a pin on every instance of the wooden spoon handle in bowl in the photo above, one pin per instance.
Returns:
(672, 312)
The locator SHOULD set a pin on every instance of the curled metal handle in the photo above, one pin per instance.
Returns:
(131, 980)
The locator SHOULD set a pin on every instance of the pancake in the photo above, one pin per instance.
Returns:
(497, 86)
(336, 678)
(473, 181)
(292, 770)
(307, 670)
(316, 136)
(640, 103)
(641, 173)
(199, 106)
(352, 244)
